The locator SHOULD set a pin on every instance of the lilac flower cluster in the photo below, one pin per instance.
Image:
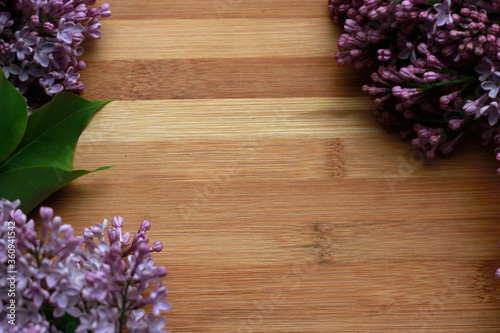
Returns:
(40, 42)
(83, 283)
(438, 65)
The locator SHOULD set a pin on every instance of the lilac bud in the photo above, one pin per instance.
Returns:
(115, 252)
(80, 65)
(455, 124)
(479, 50)
(431, 76)
(384, 54)
(356, 52)
(351, 26)
(81, 8)
(416, 142)
(126, 238)
(483, 18)
(424, 133)
(30, 236)
(48, 27)
(397, 91)
(46, 213)
(496, 138)
(446, 148)
(431, 59)
(446, 99)
(161, 271)
(421, 63)
(448, 51)
(381, 100)
(18, 216)
(435, 139)
(117, 222)
(408, 114)
(113, 235)
(494, 29)
(422, 48)
(406, 73)
(157, 246)
(442, 36)
(408, 95)
(145, 225)
(424, 15)
(143, 248)
(377, 90)
(93, 12)
(407, 5)
(361, 36)
(456, 18)
(456, 34)
(34, 20)
(459, 101)
(342, 60)
(470, 107)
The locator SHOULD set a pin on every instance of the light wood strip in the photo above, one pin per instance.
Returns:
(215, 38)
(249, 119)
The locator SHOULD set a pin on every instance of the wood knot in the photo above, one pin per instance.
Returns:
(323, 242)
(335, 158)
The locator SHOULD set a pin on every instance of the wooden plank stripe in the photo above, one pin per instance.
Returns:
(215, 38)
(286, 159)
(194, 9)
(220, 78)
(248, 119)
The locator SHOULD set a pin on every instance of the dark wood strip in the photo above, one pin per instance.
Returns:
(191, 9)
(220, 78)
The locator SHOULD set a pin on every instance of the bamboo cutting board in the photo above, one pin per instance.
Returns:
(282, 204)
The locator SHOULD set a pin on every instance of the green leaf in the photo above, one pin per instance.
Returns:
(52, 133)
(33, 184)
(66, 323)
(13, 116)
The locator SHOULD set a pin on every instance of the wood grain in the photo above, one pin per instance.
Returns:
(215, 38)
(282, 203)
(222, 78)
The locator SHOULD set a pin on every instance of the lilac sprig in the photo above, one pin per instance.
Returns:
(438, 65)
(67, 283)
(41, 41)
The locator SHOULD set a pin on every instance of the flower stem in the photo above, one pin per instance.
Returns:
(124, 308)
(463, 79)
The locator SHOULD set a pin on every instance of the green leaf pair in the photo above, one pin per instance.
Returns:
(36, 152)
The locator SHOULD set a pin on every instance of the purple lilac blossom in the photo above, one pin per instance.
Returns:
(438, 73)
(40, 42)
(101, 281)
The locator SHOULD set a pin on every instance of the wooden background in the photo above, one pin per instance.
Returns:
(282, 203)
